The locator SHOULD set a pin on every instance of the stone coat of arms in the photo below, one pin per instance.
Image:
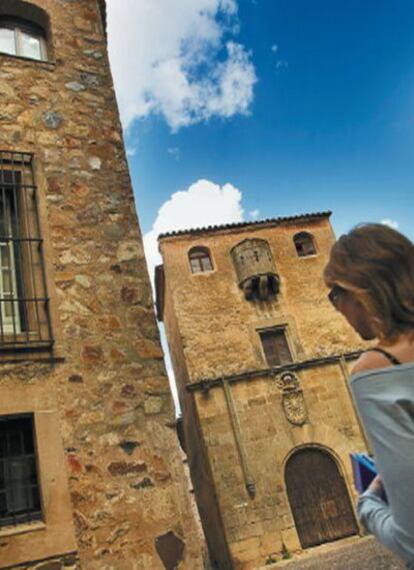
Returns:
(293, 401)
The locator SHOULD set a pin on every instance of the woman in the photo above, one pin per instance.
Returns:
(371, 276)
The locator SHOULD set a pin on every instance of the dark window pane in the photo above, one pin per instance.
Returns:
(15, 443)
(2, 475)
(3, 504)
(32, 474)
(275, 347)
(28, 441)
(19, 491)
(3, 444)
(304, 245)
(282, 348)
(35, 498)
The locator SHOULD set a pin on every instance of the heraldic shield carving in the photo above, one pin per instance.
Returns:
(293, 401)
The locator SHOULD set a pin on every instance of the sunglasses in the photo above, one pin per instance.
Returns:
(335, 294)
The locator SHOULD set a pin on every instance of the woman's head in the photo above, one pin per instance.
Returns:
(371, 271)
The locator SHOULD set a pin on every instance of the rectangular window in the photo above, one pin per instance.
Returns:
(275, 346)
(24, 304)
(19, 486)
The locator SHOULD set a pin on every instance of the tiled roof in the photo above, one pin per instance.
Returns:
(267, 222)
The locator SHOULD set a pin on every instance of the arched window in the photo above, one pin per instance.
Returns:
(22, 38)
(24, 30)
(200, 260)
(305, 244)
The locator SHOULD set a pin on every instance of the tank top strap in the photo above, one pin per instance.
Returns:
(391, 357)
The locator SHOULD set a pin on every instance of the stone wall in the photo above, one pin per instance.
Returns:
(68, 562)
(195, 447)
(105, 378)
(218, 326)
(247, 430)
(258, 527)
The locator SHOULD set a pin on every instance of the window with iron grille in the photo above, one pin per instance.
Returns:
(275, 346)
(305, 244)
(19, 483)
(200, 260)
(24, 304)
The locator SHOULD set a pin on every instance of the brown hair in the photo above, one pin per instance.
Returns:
(376, 263)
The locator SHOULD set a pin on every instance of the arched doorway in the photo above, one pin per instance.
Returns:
(318, 498)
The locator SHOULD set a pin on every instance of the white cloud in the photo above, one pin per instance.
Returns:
(391, 223)
(254, 214)
(174, 152)
(179, 59)
(282, 64)
(131, 151)
(202, 204)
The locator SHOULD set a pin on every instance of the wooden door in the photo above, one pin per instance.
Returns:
(318, 498)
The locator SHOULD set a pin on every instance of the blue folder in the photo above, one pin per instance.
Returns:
(364, 470)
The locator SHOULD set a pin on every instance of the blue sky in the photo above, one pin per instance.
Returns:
(248, 109)
(329, 124)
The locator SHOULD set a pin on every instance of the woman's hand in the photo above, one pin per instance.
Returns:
(376, 486)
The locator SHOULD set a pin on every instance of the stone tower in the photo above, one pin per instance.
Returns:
(90, 471)
(261, 361)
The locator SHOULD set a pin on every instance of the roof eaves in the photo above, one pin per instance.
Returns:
(266, 222)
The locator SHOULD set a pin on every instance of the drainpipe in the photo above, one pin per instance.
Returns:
(235, 424)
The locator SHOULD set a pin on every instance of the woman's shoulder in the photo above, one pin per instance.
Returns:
(370, 360)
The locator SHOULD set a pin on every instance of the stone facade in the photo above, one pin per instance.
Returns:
(111, 478)
(245, 421)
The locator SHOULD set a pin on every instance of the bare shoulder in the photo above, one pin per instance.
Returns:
(370, 361)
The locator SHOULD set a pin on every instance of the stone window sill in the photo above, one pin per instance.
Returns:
(48, 64)
(312, 256)
(22, 529)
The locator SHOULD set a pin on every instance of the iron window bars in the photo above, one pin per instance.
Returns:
(24, 304)
(19, 485)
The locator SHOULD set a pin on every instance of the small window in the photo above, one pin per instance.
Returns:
(19, 484)
(23, 39)
(200, 260)
(305, 244)
(275, 346)
(24, 304)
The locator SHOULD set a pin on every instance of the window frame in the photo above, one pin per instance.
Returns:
(312, 240)
(285, 330)
(20, 27)
(28, 516)
(30, 299)
(198, 254)
(9, 323)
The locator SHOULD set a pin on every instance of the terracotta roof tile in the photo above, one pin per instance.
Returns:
(268, 221)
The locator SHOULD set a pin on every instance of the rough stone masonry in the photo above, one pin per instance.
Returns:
(113, 490)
